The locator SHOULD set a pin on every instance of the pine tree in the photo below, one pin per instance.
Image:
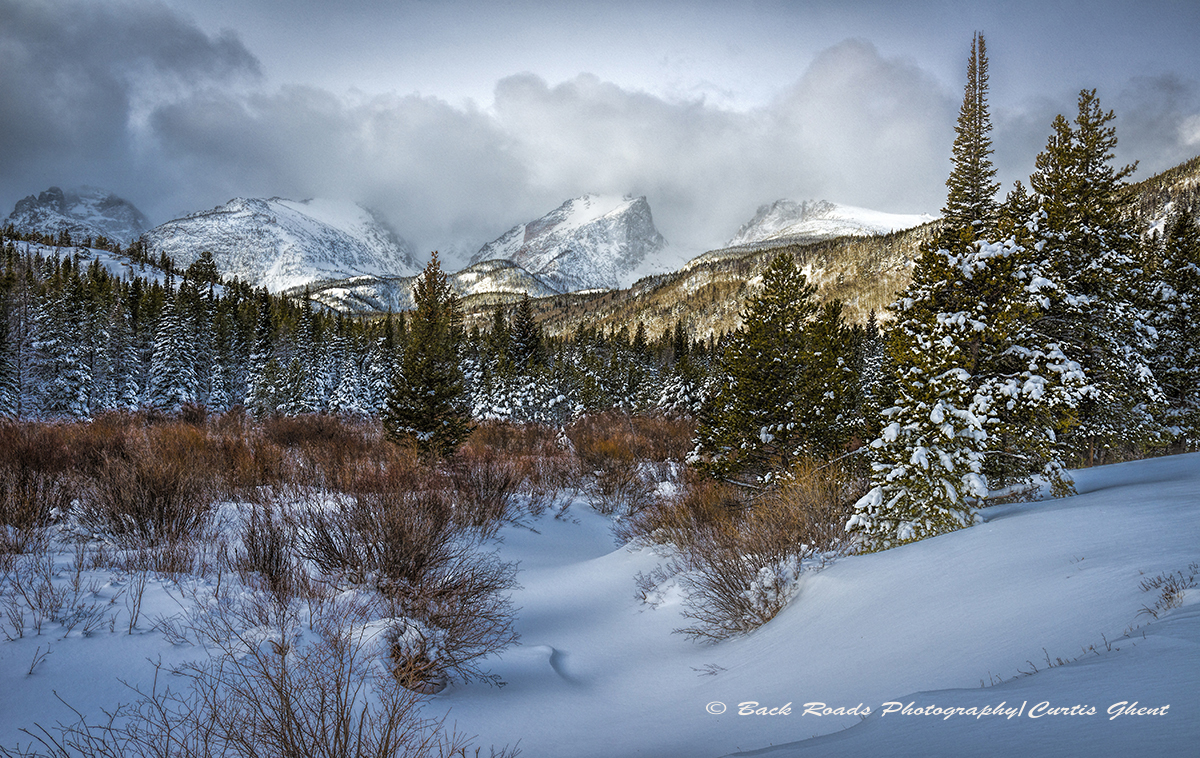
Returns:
(1177, 301)
(751, 424)
(970, 205)
(928, 460)
(526, 337)
(428, 403)
(1089, 266)
(263, 365)
(951, 323)
(172, 376)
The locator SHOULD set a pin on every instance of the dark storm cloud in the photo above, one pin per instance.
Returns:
(440, 173)
(1158, 121)
(75, 75)
(857, 128)
(135, 97)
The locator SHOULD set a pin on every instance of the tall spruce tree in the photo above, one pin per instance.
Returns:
(773, 400)
(1089, 264)
(428, 403)
(928, 460)
(970, 201)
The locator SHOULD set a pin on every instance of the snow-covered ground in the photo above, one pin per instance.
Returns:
(598, 673)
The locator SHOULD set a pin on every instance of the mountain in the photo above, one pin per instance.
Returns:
(286, 244)
(486, 282)
(1156, 199)
(790, 221)
(589, 242)
(84, 212)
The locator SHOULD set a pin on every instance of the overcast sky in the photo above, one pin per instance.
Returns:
(456, 120)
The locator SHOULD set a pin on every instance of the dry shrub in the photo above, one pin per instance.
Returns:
(452, 596)
(486, 486)
(540, 454)
(251, 699)
(159, 492)
(108, 436)
(603, 436)
(813, 503)
(266, 559)
(36, 484)
(738, 559)
(700, 503)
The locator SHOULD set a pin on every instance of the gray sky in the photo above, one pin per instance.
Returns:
(456, 120)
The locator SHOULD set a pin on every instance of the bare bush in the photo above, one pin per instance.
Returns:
(486, 485)
(161, 492)
(738, 560)
(324, 700)
(432, 574)
(265, 559)
(1170, 588)
(35, 483)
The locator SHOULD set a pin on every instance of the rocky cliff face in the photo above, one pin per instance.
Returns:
(285, 244)
(83, 212)
(589, 242)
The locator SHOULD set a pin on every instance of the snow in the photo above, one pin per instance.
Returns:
(787, 219)
(286, 244)
(587, 242)
(598, 673)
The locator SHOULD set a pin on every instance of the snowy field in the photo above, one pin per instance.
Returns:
(1034, 613)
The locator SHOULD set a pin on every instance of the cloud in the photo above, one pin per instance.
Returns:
(77, 76)
(1156, 120)
(133, 96)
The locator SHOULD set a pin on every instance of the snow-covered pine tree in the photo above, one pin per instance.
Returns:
(525, 337)
(927, 462)
(172, 375)
(980, 389)
(264, 367)
(684, 382)
(60, 371)
(428, 403)
(1089, 266)
(1177, 358)
(9, 389)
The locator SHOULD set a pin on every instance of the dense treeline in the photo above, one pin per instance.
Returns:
(78, 340)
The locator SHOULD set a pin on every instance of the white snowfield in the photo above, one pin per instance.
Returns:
(598, 673)
(820, 219)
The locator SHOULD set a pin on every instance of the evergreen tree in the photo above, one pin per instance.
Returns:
(1088, 267)
(428, 403)
(60, 371)
(264, 367)
(756, 420)
(1177, 301)
(964, 361)
(172, 376)
(525, 337)
(970, 205)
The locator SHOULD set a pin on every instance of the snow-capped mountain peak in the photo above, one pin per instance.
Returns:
(819, 219)
(286, 244)
(589, 241)
(82, 211)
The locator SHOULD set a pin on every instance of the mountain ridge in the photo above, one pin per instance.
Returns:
(286, 244)
(588, 242)
(82, 211)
